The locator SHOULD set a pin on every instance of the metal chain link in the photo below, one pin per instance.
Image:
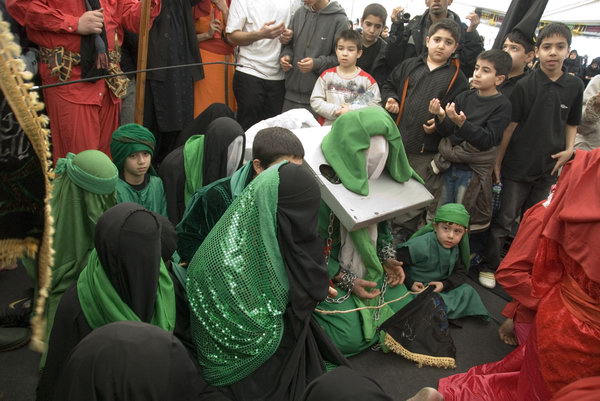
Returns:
(328, 245)
(377, 313)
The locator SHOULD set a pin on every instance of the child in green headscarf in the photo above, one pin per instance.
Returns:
(132, 148)
(438, 255)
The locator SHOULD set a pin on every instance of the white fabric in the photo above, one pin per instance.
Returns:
(291, 119)
(250, 16)
(234, 154)
(588, 132)
(349, 257)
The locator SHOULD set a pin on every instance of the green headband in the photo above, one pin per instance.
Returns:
(452, 213)
(90, 170)
(129, 139)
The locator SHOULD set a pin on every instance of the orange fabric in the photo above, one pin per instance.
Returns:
(215, 45)
(217, 85)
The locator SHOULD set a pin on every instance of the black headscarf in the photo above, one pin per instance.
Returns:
(344, 384)
(130, 361)
(168, 238)
(299, 242)
(218, 136)
(129, 248)
(201, 123)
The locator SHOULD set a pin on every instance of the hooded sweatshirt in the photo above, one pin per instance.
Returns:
(314, 36)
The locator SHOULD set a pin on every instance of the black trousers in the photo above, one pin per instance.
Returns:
(516, 197)
(257, 98)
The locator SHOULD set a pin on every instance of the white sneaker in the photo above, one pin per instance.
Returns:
(487, 279)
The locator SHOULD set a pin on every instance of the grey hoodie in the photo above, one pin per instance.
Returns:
(314, 36)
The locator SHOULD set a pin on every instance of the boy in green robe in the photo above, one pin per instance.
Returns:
(132, 148)
(209, 203)
(438, 255)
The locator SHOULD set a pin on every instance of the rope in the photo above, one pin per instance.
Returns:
(335, 312)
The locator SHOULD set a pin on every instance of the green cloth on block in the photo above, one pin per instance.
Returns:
(345, 148)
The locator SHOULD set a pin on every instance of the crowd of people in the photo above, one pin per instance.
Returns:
(226, 273)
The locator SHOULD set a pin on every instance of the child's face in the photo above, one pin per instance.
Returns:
(440, 46)
(552, 52)
(347, 53)
(137, 164)
(448, 234)
(371, 28)
(484, 76)
(520, 58)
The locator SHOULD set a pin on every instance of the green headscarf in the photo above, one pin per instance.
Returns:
(102, 305)
(350, 136)
(193, 163)
(237, 286)
(457, 214)
(83, 189)
(129, 139)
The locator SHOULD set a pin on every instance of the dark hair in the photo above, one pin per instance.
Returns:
(520, 38)
(500, 59)
(376, 10)
(272, 143)
(447, 25)
(351, 36)
(554, 29)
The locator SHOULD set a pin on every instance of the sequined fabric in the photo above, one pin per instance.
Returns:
(237, 286)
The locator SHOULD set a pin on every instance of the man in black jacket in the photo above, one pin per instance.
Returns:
(409, 41)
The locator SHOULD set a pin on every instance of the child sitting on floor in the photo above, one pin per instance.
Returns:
(438, 255)
(132, 148)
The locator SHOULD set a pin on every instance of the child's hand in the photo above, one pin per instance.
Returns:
(417, 287)
(435, 108)
(394, 271)
(270, 30)
(361, 287)
(562, 158)
(496, 174)
(458, 119)
(306, 64)
(439, 287)
(429, 126)
(332, 292)
(342, 110)
(285, 63)
(392, 106)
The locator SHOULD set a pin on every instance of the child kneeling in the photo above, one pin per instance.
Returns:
(438, 255)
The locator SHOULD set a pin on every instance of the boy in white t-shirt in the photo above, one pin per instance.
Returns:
(259, 28)
(345, 87)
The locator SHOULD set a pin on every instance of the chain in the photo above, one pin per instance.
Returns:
(347, 281)
(377, 313)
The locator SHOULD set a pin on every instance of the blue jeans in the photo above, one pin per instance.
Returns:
(455, 183)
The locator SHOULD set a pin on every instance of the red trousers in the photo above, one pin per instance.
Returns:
(78, 127)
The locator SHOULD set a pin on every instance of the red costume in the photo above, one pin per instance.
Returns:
(564, 345)
(83, 115)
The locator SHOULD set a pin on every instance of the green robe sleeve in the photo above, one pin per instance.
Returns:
(204, 211)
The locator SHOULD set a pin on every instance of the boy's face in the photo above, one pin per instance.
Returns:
(371, 29)
(484, 76)
(552, 52)
(520, 58)
(316, 4)
(448, 234)
(347, 53)
(440, 46)
(137, 164)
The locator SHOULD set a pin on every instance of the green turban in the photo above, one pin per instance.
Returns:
(344, 148)
(127, 140)
(457, 214)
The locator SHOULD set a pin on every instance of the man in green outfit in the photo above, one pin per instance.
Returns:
(209, 203)
(132, 148)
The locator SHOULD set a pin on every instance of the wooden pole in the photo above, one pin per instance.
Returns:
(142, 61)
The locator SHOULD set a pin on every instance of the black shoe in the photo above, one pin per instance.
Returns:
(16, 313)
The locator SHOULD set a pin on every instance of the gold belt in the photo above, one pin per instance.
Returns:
(61, 62)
